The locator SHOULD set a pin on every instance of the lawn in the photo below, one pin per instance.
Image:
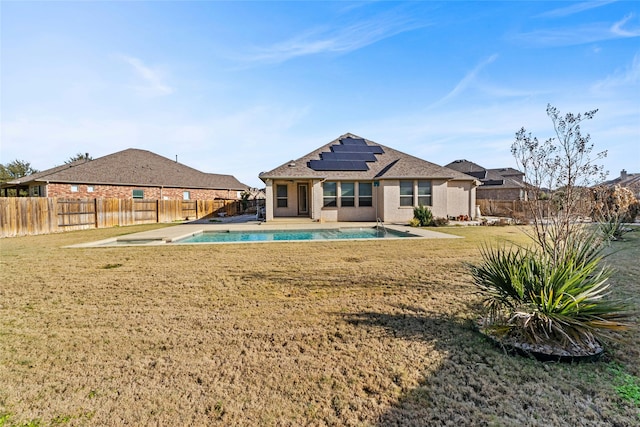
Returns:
(325, 333)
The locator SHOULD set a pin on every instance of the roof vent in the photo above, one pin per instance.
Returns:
(292, 164)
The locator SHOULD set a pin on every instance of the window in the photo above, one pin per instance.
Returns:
(365, 194)
(347, 194)
(281, 196)
(406, 193)
(89, 188)
(74, 188)
(186, 195)
(330, 194)
(138, 194)
(424, 193)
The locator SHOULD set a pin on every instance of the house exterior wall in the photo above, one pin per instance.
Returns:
(126, 192)
(461, 199)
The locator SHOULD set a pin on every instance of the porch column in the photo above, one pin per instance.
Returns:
(269, 201)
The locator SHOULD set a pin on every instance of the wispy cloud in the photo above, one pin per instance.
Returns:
(335, 39)
(625, 78)
(617, 29)
(574, 8)
(588, 33)
(466, 81)
(153, 82)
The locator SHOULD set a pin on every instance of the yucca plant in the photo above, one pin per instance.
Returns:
(532, 296)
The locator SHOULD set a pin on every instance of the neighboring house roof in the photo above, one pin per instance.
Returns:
(631, 180)
(132, 167)
(506, 178)
(353, 157)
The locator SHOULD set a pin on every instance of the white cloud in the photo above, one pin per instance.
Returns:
(628, 77)
(466, 81)
(152, 79)
(334, 39)
(574, 8)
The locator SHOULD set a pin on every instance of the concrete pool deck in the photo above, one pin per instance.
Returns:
(171, 234)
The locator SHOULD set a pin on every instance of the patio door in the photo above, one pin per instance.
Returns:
(303, 199)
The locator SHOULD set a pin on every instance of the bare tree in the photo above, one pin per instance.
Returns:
(557, 172)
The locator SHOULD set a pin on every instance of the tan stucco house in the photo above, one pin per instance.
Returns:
(355, 179)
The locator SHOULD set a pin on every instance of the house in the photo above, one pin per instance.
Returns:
(497, 184)
(628, 180)
(355, 179)
(127, 174)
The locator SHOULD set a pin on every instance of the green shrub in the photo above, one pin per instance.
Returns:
(532, 296)
(423, 215)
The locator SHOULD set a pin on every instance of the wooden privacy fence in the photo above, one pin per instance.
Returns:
(521, 209)
(20, 216)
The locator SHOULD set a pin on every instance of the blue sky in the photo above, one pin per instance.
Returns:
(242, 87)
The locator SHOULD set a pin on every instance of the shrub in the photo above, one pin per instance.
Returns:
(414, 222)
(440, 222)
(535, 298)
(423, 215)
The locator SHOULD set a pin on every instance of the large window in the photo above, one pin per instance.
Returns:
(406, 193)
(424, 193)
(281, 196)
(347, 194)
(365, 194)
(330, 194)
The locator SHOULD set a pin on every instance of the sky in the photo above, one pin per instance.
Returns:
(242, 87)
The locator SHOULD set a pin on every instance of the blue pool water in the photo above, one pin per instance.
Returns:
(284, 235)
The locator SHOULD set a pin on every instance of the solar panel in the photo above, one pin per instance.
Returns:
(353, 141)
(357, 149)
(367, 157)
(333, 165)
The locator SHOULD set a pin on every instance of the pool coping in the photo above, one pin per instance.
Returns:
(163, 236)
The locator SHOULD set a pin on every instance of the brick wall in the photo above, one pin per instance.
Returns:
(126, 192)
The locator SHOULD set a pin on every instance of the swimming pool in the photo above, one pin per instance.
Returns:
(292, 235)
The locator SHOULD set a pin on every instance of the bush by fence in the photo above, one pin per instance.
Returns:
(20, 216)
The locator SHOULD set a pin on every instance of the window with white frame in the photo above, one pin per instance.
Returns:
(138, 194)
(330, 194)
(365, 194)
(74, 188)
(424, 193)
(186, 195)
(347, 194)
(406, 193)
(90, 189)
(281, 196)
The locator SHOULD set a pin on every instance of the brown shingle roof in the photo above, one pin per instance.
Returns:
(134, 167)
(495, 178)
(392, 164)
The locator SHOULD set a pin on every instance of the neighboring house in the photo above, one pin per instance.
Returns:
(127, 174)
(355, 179)
(497, 184)
(628, 180)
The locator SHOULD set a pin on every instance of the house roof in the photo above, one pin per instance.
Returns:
(494, 178)
(631, 180)
(132, 167)
(370, 161)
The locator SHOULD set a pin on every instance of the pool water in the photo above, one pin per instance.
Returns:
(284, 235)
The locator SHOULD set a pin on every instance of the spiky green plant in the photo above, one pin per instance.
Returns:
(423, 215)
(531, 295)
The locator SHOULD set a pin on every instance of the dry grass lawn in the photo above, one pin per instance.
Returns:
(332, 333)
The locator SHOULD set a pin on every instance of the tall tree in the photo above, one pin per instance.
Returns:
(15, 169)
(564, 166)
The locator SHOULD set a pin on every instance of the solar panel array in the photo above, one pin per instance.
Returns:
(351, 154)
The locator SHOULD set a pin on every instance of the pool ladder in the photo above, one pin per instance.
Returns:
(380, 225)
